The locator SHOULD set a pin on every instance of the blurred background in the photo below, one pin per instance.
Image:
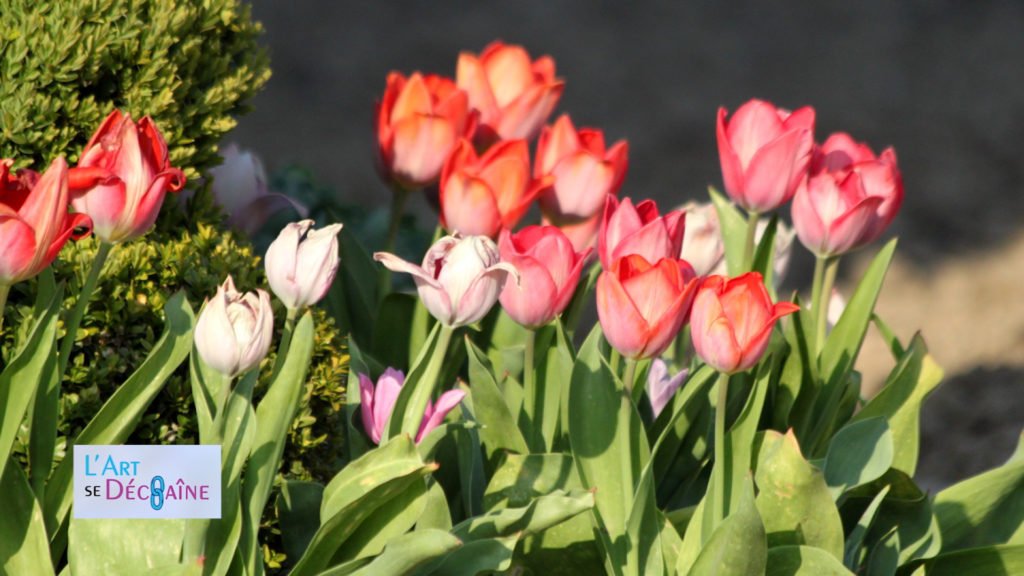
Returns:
(941, 81)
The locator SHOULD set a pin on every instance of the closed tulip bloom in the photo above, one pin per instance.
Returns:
(641, 306)
(702, 239)
(301, 263)
(549, 270)
(833, 213)
(481, 195)
(513, 94)
(126, 207)
(460, 278)
(234, 330)
(240, 188)
(732, 321)
(660, 386)
(419, 121)
(639, 230)
(583, 170)
(34, 220)
(583, 234)
(879, 176)
(765, 153)
(377, 403)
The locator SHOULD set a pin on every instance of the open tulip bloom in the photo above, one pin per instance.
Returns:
(378, 401)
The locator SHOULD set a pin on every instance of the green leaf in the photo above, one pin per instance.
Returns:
(46, 405)
(764, 255)
(737, 547)
(392, 519)
(471, 470)
(987, 561)
(24, 547)
(396, 458)
(119, 415)
(859, 453)
(499, 432)
(643, 530)
(803, 561)
(794, 500)
(97, 547)
(391, 342)
(436, 514)
(540, 514)
(298, 510)
(554, 372)
(734, 231)
(984, 510)
(477, 557)
(359, 363)
(854, 554)
(352, 299)
(420, 383)
(402, 555)
(679, 452)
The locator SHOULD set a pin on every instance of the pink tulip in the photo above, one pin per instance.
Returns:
(481, 195)
(377, 403)
(460, 278)
(640, 230)
(549, 270)
(136, 154)
(732, 321)
(765, 152)
(234, 330)
(419, 121)
(660, 386)
(513, 94)
(584, 172)
(641, 305)
(301, 263)
(583, 235)
(34, 220)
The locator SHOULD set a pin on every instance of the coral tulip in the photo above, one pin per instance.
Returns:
(641, 306)
(481, 195)
(639, 230)
(234, 330)
(34, 220)
(301, 263)
(549, 270)
(460, 278)
(419, 121)
(126, 207)
(584, 172)
(765, 153)
(732, 320)
(514, 95)
(377, 403)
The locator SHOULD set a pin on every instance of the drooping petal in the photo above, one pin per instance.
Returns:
(445, 404)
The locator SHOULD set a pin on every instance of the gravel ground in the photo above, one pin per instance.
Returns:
(941, 81)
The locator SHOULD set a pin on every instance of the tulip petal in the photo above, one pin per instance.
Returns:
(732, 167)
(214, 336)
(530, 302)
(524, 117)
(17, 249)
(482, 293)
(556, 142)
(713, 338)
(389, 385)
(775, 169)
(754, 125)
(746, 304)
(468, 206)
(366, 390)
(509, 72)
(430, 290)
(318, 263)
(445, 404)
(623, 326)
(413, 100)
(420, 146)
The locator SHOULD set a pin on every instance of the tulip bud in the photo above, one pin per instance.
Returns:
(627, 230)
(642, 306)
(765, 152)
(513, 94)
(702, 240)
(732, 321)
(240, 188)
(660, 387)
(460, 278)
(135, 156)
(234, 330)
(549, 270)
(301, 263)
(377, 403)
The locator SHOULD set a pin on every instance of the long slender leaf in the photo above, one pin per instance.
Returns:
(23, 543)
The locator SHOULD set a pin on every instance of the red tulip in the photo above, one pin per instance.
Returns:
(419, 122)
(765, 153)
(641, 306)
(640, 230)
(34, 220)
(732, 321)
(127, 206)
(584, 171)
(481, 195)
(514, 95)
(549, 270)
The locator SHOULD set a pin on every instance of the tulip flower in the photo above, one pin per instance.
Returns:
(732, 320)
(513, 94)
(703, 247)
(34, 220)
(136, 154)
(301, 263)
(234, 330)
(419, 122)
(660, 386)
(765, 152)
(583, 235)
(460, 278)
(549, 270)
(481, 195)
(240, 188)
(584, 172)
(641, 305)
(626, 229)
(377, 403)
(833, 213)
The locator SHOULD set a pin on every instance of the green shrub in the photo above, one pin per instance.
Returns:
(64, 64)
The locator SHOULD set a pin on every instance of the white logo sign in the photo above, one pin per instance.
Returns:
(147, 481)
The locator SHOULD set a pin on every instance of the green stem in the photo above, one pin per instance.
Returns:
(531, 395)
(286, 340)
(720, 457)
(749, 243)
(5, 289)
(825, 269)
(630, 375)
(398, 198)
(81, 305)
